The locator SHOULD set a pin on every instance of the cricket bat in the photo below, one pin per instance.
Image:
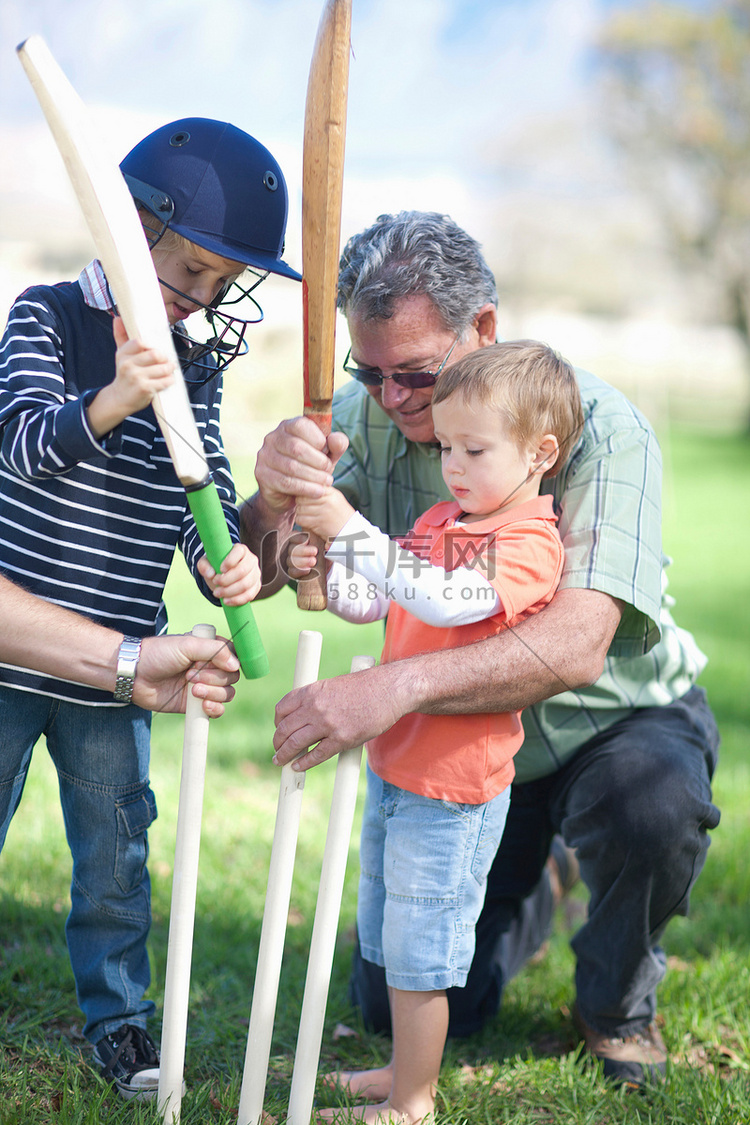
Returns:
(322, 188)
(121, 246)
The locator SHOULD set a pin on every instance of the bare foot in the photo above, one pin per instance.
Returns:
(362, 1083)
(381, 1114)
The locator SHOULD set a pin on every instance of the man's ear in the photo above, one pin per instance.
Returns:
(546, 454)
(485, 323)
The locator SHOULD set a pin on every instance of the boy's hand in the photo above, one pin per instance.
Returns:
(139, 374)
(326, 515)
(239, 580)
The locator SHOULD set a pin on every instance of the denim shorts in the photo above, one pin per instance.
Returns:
(423, 873)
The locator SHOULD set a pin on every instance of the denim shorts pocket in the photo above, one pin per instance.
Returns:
(494, 815)
(458, 809)
(134, 816)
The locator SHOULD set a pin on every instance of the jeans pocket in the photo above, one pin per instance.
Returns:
(134, 816)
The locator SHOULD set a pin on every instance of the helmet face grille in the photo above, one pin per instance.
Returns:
(225, 339)
(226, 191)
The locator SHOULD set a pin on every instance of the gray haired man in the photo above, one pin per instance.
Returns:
(620, 744)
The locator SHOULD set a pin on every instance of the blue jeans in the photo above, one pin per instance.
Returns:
(635, 803)
(101, 755)
(423, 873)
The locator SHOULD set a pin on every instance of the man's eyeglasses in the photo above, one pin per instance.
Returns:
(412, 380)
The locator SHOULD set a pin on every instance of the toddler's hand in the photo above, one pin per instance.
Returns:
(239, 580)
(301, 559)
(324, 516)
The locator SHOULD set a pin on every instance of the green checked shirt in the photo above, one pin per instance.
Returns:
(608, 499)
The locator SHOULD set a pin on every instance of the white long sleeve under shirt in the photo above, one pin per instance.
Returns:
(370, 571)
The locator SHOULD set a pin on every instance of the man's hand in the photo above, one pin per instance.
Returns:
(171, 666)
(295, 460)
(292, 462)
(562, 648)
(336, 714)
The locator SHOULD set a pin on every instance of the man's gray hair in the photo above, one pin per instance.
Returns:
(414, 253)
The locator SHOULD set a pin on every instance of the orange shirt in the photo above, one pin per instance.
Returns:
(467, 758)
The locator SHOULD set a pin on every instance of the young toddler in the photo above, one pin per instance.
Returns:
(506, 416)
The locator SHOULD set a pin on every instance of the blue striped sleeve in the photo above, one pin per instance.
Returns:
(45, 430)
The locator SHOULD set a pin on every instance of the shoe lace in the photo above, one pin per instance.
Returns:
(136, 1048)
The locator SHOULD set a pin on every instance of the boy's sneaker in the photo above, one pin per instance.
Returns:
(128, 1057)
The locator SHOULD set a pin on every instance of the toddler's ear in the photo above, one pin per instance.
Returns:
(547, 452)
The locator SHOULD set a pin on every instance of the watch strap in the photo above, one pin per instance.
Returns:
(127, 662)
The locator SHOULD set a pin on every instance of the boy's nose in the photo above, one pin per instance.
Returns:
(202, 293)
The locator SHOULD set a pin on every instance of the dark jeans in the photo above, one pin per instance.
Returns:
(101, 755)
(635, 804)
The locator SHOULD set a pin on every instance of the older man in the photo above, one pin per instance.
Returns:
(620, 745)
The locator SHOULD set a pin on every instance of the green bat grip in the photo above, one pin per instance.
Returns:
(212, 527)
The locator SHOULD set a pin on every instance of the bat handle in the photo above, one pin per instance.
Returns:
(312, 591)
(212, 527)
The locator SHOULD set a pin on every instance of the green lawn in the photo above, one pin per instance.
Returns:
(523, 1069)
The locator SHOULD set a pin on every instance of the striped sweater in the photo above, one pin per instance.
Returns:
(89, 524)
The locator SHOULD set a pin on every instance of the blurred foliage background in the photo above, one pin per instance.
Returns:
(598, 149)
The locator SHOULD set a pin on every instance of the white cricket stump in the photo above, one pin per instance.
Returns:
(325, 927)
(182, 913)
(276, 910)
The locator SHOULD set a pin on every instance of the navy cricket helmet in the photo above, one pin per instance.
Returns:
(218, 187)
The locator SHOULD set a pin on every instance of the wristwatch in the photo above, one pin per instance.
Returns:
(127, 662)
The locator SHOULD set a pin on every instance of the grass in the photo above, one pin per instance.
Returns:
(522, 1070)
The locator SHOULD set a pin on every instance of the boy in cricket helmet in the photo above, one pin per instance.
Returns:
(98, 511)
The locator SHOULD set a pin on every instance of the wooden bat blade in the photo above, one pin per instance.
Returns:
(121, 246)
(120, 243)
(322, 191)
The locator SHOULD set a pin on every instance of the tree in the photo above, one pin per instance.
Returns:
(676, 85)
